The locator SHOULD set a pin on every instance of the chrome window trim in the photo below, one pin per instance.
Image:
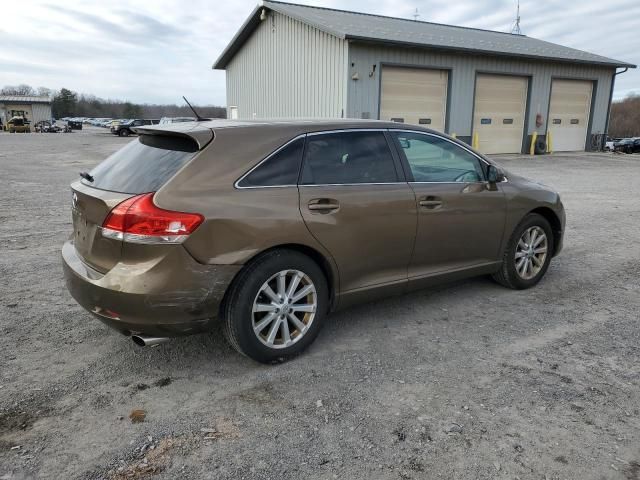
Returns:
(275, 152)
(347, 130)
(348, 184)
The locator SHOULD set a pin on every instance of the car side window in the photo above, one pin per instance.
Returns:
(347, 158)
(280, 169)
(434, 159)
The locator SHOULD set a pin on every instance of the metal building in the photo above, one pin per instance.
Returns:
(32, 108)
(291, 60)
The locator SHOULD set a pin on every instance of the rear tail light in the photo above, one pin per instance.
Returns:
(138, 220)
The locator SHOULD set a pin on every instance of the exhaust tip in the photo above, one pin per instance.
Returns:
(144, 341)
(138, 340)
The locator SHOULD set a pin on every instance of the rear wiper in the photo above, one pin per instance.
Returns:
(86, 176)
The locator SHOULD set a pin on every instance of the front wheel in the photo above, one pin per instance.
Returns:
(528, 253)
(276, 306)
(124, 133)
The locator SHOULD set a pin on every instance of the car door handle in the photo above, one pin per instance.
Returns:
(430, 202)
(323, 205)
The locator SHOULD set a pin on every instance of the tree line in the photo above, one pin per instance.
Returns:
(625, 114)
(625, 118)
(67, 103)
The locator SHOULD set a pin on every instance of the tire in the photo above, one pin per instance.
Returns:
(540, 147)
(509, 275)
(238, 315)
(124, 133)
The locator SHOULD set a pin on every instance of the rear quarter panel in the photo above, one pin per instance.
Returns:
(239, 222)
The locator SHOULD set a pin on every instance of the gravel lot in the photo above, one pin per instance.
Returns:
(467, 381)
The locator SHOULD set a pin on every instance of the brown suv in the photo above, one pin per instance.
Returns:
(270, 225)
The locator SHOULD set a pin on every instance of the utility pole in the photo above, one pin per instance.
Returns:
(416, 15)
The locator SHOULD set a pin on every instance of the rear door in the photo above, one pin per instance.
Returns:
(142, 166)
(356, 204)
(461, 217)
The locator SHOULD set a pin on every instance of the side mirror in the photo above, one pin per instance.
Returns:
(404, 143)
(494, 175)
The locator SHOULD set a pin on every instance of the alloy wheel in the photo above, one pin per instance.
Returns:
(531, 252)
(284, 309)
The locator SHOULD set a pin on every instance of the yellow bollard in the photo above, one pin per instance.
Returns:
(475, 143)
(534, 137)
(454, 135)
(549, 142)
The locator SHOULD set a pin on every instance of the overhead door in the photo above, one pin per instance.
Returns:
(569, 114)
(499, 113)
(416, 96)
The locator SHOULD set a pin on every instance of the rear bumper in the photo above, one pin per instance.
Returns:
(168, 296)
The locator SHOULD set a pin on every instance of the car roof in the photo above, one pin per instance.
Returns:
(203, 131)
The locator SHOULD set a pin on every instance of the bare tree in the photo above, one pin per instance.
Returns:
(625, 118)
(18, 90)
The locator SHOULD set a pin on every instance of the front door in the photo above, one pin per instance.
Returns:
(461, 217)
(354, 202)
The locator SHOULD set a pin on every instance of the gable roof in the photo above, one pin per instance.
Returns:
(24, 99)
(412, 33)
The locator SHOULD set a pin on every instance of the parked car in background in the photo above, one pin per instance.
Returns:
(124, 129)
(273, 224)
(624, 145)
(18, 125)
(609, 145)
(168, 120)
(45, 126)
(74, 124)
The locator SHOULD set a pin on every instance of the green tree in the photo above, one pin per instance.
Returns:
(131, 110)
(64, 103)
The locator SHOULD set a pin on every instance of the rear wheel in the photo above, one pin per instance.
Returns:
(528, 253)
(124, 133)
(276, 306)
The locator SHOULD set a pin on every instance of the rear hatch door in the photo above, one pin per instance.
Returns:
(142, 166)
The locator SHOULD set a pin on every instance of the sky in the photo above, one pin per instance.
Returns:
(155, 51)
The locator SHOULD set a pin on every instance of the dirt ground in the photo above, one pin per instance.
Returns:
(466, 381)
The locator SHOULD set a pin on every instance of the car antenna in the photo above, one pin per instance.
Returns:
(198, 117)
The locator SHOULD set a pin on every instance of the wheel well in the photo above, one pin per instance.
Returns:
(554, 221)
(315, 255)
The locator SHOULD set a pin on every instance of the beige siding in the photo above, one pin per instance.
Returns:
(499, 113)
(288, 69)
(414, 96)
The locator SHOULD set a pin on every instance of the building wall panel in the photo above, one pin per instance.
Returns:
(288, 69)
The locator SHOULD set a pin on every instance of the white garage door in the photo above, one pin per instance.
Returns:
(416, 96)
(499, 113)
(569, 114)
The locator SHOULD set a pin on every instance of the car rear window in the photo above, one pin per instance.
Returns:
(144, 165)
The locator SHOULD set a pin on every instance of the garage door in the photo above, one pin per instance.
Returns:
(416, 96)
(499, 113)
(569, 114)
